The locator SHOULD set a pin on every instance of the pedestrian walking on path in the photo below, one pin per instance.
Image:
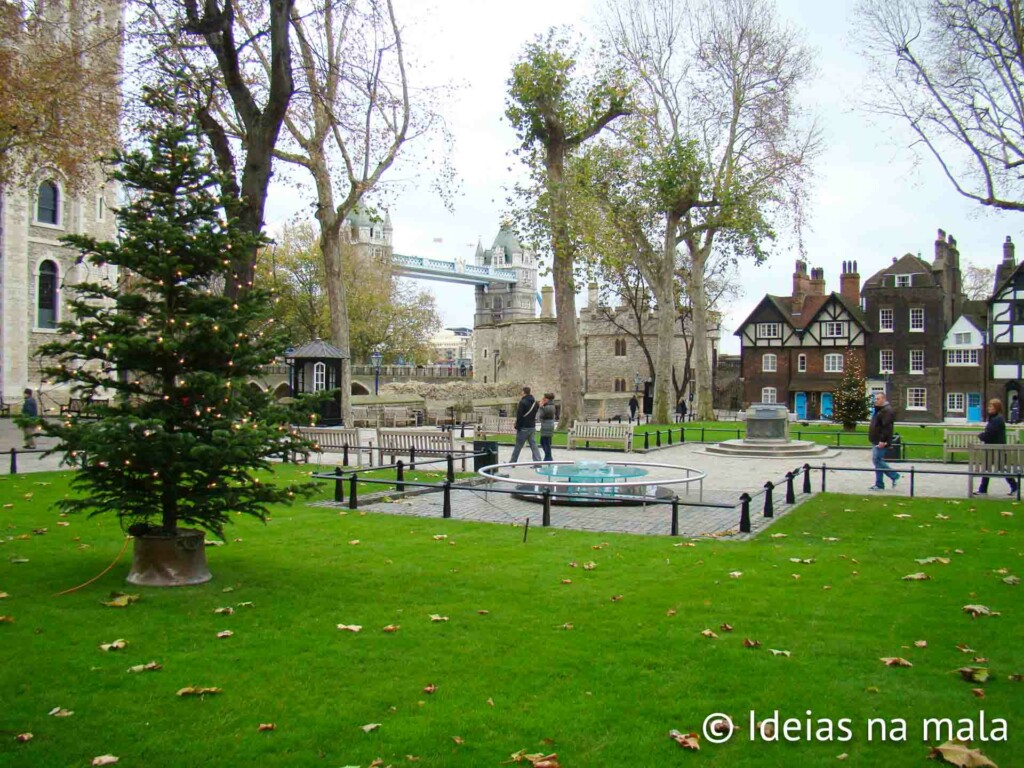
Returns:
(995, 434)
(547, 424)
(526, 426)
(29, 419)
(880, 437)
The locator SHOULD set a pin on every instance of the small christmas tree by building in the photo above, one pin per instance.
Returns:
(184, 435)
(850, 399)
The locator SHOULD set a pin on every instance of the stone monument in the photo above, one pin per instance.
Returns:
(768, 437)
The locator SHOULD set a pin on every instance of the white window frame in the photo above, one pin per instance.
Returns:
(919, 353)
(772, 359)
(883, 314)
(769, 330)
(912, 398)
(830, 358)
(962, 357)
(319, 377)
(904, 281)
(835, 329)
(913, 311)
(962, 339)
(769, 395)
(882, 367)
(801, 363)
(956, 402)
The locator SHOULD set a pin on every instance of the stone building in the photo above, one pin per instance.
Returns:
(37, 272)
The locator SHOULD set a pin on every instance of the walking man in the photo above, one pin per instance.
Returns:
(30, 414)
(633, 405)
(880, 436)
(526, 426)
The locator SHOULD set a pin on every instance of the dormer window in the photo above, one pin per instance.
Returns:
(902, 281)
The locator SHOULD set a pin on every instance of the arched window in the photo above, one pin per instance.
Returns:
(319, 377)
(46, 296)
(620, 347)
(48, 204)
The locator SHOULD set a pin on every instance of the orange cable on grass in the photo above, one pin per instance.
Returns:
(101, 573)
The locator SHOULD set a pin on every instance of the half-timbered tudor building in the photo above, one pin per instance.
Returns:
(794, 349)
(1005, 359)
(912, 304)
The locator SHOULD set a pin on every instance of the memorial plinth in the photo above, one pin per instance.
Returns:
(768, 437)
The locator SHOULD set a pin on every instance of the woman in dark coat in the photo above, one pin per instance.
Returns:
(995, 434)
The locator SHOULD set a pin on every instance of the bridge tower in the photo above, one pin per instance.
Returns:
(498, 302)
(371, 237)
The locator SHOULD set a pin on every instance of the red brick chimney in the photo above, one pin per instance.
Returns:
(817, 282)
(849, 283)
(801, 286)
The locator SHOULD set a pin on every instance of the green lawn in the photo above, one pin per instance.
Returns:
(604, 693)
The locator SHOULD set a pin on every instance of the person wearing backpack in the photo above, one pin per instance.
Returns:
(526, 426)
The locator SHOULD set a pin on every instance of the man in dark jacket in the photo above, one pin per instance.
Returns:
(30, 419)
(880, 437)
(995, 434)
(526, 426)
(633, 405)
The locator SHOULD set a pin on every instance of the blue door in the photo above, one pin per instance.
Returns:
(800, 405)
(826, 405)
(974, 406)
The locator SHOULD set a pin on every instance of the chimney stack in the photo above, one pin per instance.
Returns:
(1009, 263)
(849, 283)
(941, 249)
(1008, 255)
(801, 286)
(547, 301)
(592, 297)
(817, 282)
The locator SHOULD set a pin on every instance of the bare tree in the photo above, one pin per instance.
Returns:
(978, 282)
(728, 154)
(953, 72)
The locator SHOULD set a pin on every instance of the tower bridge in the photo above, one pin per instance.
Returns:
(451, 271)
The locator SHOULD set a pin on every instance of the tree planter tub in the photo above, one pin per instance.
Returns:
(161, 559)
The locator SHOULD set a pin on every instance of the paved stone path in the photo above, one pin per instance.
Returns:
(727, 478)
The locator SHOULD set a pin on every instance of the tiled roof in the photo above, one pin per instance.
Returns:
(318, 349)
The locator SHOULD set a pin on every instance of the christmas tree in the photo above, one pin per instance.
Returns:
(184, 436)
(850, 399)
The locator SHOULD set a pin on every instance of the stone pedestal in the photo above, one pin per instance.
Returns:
(767, 422)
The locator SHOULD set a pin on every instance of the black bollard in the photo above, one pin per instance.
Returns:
(546, 520)
(647, 441)
(353, 498)
(823, 470)
(451, 468)
(14, 461)
(462, 431)
(339, 485)
(446, 508)
(675, 515)
(790, 495)
(682, 434)
(745, 513)
(769, 506)
(807, 478)
(344, 455)
(412, 458)
(399, 476)
(670, 435)
(658, 435)
(911, 482)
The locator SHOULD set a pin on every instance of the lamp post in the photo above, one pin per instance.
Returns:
(376, 357)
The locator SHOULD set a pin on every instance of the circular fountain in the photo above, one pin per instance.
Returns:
(595, 483)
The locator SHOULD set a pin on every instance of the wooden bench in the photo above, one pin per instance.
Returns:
(363, 415)
(961, 441)
(396, 417)
(336, 440)
(995, 461)
(77, 406)
(582, 431)
(495, 425)
(400, 442)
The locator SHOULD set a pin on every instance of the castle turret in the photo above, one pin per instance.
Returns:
(501, 302)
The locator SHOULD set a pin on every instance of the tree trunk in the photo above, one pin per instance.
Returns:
(568, 346)
(662, 284)
(704, 402)
(331, 249)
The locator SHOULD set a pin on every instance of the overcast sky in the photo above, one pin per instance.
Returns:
(871, 201)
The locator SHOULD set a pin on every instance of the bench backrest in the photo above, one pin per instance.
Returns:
(497, 423)
(996, 458)
(401, 440)
(963, 439)
(596, 431)
(331, 438)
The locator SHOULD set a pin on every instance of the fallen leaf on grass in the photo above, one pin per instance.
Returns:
(120, 600)
(829, 538)
(490, 702)
(266, 727)
(1013, 581)
(213, 543)
(195, 690)
(589, 566)
(1015, 678)
(766, 729)
(974, 674)
(18, 560)
(931, 560)
(978, 692)
(778, 535)
(537, 760)
(6, 619)
(116, 645)
(795, 575)
(105, 760)
(917, 577)
(350, 627)
(843, 756)
(735, 574)
(902, 516)
(805, 561)
(438, 617)
(63, 523)
(616, 598)
(920, 643)
(895, 661)
(959, 754)
(354, 542)
(150, 667)
(1006, 514)
(775, 652)
(709, 633)
(671, 612)
(369, 727)
(60, 712)
(392, 627)
(567, 581)
(23, 737)
(225, 611)
(4, 595)
(225, 634)
(748, 643)
(247, 604)
(458, 740)
(567, 625)
(726, 627)
(39, 531)
(685, 740)
(941, 516)
(440, 536)
(979, 610)
(430, 688)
